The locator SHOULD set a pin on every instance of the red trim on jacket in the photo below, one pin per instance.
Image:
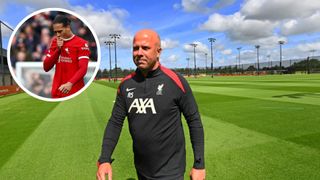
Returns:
(174, 77)
(126, 78)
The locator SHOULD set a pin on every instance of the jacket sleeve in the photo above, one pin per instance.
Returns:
(189, 108)
(83, 58)
(81, 72)
(113, 129)
(52, 56)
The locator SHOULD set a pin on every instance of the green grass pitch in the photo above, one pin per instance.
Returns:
(265, 127)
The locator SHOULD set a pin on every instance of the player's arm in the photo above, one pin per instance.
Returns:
(53, 54)
(81, 72)
(111, 135)
(190, 111)
(83, 58)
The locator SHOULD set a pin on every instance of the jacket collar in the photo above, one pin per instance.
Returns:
(150, 74)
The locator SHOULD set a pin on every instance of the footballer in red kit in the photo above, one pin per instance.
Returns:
(70, 55)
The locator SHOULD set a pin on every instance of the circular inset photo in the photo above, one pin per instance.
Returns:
(53, 54)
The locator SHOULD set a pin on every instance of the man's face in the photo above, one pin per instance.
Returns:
(60, 31)
(146, 51)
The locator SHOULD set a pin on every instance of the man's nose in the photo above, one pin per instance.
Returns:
(140, 53)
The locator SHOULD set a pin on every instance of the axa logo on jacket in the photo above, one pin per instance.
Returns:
(141, 105)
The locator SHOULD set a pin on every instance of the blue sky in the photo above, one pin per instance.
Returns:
(234, 23)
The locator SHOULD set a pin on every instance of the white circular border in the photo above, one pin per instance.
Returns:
(35, 95)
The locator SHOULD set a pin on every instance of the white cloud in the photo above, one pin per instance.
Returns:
(107, 22)
(226, 52)
(170, 61)
(268, 42)
(125, 41)
(32, 5)
(203, 6)
(302, 25)
(173, 58)
(195, 5)
(176, 6)
(279, 10)
(309, 46)
(169, 44)
(200, 48)
(249, 54)
(238, 28)
(264, 22)
(218, 46)
(220, 23)
(119, 13)
(300, 51)
(223, 3)
(103, 22)
(289, 24)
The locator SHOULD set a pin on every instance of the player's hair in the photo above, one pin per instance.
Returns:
(63, 19)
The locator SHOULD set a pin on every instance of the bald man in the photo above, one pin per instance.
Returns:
(153, 98)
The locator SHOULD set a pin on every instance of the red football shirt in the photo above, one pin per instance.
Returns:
(71, 64)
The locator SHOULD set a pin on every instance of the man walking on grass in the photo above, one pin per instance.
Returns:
(153, 98)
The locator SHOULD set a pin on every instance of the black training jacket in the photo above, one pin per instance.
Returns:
(153, 106)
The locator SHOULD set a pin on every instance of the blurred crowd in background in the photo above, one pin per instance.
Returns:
(33, 38)
(38, 83)
(31, 43)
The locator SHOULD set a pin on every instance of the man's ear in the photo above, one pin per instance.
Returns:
(68, 27)
(159, 52)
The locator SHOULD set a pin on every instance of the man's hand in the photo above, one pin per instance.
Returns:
(59, 42)
(65, 88)
(104, 168)
(198, 174)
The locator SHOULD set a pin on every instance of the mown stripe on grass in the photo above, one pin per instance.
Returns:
(64, 145)
(234, 152)
(281, 119)
(101, 99)
(109, 84)
(260, 83)
(272, 160)
(272, 95)
(278, 119)
(102, 104)
(265, 79)
(20, 116)
(312, 140)
(256, 86)
(67, 144)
